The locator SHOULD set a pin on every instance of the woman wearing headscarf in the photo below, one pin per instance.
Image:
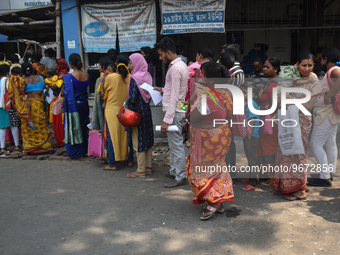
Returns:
(142, 135)
(62, 68)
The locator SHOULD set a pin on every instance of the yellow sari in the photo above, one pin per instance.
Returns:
(36, 140)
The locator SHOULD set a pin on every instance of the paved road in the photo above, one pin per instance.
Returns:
(66, 207)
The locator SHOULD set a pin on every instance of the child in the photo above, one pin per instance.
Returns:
(23, 106)
(290, 76)
(250, 142)
(53, 82)
(109, 70)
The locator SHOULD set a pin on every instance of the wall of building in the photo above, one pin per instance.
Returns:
(279, 43)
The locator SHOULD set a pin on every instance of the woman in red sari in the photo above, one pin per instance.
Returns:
(62, 68)
(210, 145)
(267, 146)
(293, 184)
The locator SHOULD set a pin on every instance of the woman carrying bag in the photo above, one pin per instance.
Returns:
(142, 135)
(293, 184)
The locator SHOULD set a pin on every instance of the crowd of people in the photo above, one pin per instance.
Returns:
(192, 102)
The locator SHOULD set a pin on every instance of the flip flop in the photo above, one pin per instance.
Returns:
(246, 180)
(249, 188)
(268, 183)
(32, 126)
(110, 168)
(291, 197)
(148, 171)
(133, 175)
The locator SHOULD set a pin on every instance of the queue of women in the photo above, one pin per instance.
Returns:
(119, 89)
(213, 188)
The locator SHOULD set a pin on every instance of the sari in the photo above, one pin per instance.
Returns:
(98, 120)
(36, 141)
(76, 116)
(209, 148)
(58, 125)
(63, 67)
(57, 120)
(39, 72)
(292, 181)
(17, 86)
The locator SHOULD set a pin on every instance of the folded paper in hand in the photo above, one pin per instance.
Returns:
(156, 96)
(50, 96)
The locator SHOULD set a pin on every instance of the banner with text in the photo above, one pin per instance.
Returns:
(192, 16)
(136, 23)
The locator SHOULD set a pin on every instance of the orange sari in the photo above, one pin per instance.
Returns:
(39, 72)
(209, 148)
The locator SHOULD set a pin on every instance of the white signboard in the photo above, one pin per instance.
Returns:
(71, 44)
(136, 23)
(21, 4)
(192, 16)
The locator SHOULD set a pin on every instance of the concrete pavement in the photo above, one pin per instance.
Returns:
(74, 207)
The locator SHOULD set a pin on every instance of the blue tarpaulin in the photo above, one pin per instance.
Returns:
(3, 38)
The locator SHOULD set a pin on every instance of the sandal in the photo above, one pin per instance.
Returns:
(130, 164)
(208, 212)
(148, 170)
(220, 209)
(110, 168)
(268, 182)
(291, 197)
(31, 125)
(247, 180)
(249, 188)
(136, 174)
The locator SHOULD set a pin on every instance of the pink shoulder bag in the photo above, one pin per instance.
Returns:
(58, 106)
